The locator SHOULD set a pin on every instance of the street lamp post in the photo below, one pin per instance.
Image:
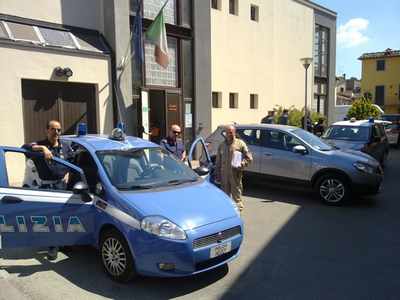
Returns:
(306, 62)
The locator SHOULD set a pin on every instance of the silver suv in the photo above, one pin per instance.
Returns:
(292, 154)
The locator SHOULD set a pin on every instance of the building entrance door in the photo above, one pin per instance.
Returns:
(164, 110)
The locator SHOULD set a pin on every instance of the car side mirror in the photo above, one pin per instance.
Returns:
(300, 149)
(82, 189)
(201, 171)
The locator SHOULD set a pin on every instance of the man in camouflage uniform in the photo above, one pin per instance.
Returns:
(229, 176)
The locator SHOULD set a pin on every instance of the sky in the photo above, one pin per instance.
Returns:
(363, 26)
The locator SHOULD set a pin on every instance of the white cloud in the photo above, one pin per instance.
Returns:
(351, 34)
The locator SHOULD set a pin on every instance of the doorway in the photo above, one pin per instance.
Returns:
(70, 103)
(164, 111)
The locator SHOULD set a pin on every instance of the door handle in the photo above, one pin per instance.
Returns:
(267, 154)
(11, 200)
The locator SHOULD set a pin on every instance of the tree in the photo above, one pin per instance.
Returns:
(362, 109)
(296, 115)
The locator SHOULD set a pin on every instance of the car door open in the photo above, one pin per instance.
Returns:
(199, 159)
(35, 211)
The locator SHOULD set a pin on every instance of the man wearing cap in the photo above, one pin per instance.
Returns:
(173, 144)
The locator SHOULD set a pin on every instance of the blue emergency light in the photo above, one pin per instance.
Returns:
(121, 125)
(81, 129)
(371, 120)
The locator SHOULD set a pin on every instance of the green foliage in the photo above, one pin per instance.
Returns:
(362, 109)
(295, 115)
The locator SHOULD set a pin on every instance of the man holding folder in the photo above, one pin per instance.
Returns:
(232, 157)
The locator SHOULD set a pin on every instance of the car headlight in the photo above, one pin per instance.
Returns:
(364, 168)
(162, 227)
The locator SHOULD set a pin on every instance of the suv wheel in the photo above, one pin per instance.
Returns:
(332, 189)
(116, 256)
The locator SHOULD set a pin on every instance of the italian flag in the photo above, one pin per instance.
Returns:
(157, 34)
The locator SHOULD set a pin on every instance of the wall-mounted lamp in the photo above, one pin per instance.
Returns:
(61, 72)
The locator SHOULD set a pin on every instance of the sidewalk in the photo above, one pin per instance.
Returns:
(7, 290)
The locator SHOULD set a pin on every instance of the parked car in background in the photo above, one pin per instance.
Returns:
(290, 154)
(367, 136)
(393, 128)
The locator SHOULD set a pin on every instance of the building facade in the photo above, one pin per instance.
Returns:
(58, 62)
(230, 60)
(256, 47)
(381, 79)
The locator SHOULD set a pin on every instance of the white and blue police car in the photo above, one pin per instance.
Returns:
(146, 212)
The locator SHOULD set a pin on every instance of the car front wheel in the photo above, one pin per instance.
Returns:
(332, 189)
(116, 256)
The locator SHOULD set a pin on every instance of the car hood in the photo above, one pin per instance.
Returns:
(188, 205)
(354, 156)
(344, 145)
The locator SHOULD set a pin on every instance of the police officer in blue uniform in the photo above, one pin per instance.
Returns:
(52, 147)
(173, 144)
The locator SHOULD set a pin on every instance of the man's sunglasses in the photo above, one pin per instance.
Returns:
(176, 132)
(56, 129)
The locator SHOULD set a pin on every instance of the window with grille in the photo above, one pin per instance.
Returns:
(156, 74)
(321, 51)
(151, 8)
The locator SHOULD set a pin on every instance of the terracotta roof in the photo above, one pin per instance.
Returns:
(387, 53)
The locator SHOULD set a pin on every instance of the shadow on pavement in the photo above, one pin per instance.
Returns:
(323, 252)
(81, 266)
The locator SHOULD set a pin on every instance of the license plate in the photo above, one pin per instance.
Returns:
(220, 249)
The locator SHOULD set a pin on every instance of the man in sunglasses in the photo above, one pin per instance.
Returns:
(173, 144)
(51, 147)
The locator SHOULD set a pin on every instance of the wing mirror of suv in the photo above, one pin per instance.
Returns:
(82, 189)
(201, 171)
(300, 149)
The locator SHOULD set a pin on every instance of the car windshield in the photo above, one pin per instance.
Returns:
(347, 133)
(312, 140)
(144, 168)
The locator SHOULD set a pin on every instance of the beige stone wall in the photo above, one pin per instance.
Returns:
(26, 63)
(260, 57)
(82, 13)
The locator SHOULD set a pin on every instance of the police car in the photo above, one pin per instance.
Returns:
(367, 136)
(146, 212)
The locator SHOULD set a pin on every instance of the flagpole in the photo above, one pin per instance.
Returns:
(162, 7)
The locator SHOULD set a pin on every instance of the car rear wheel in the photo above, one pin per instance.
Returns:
(332, 189)
(116, 256)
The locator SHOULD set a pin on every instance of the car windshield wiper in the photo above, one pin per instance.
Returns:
(137, 187)
(181, 181)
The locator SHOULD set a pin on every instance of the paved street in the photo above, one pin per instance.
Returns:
(295, 248)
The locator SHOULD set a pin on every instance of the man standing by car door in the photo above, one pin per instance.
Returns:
(52, 147)
(173, 144)
(233, 156)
